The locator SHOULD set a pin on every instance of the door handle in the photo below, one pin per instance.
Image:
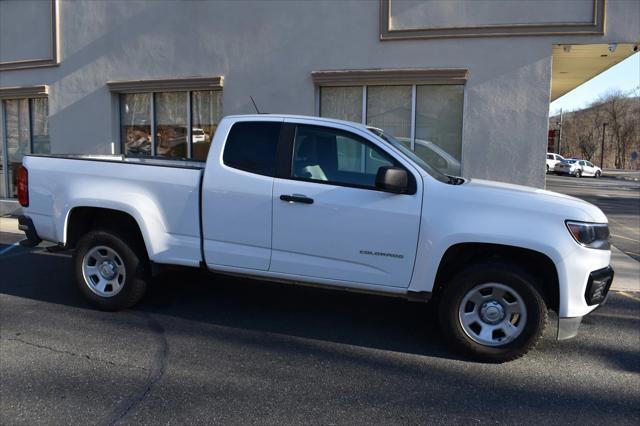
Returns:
(297, 198)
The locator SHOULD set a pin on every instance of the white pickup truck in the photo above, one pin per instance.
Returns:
(328, 203)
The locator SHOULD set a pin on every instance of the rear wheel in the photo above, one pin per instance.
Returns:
(110, 272)
(578, 173)
(547, 168)
(492, 312)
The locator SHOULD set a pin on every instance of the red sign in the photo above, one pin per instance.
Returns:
(551, 140)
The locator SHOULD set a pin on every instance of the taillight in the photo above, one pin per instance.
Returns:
(23, 186)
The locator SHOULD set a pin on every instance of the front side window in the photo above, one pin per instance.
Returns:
(252, 147)
(169, 124)
(333, 156)
(24, 129)
(427, 119)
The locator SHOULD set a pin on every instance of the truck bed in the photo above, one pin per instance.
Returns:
(116, 158)
(163, 196)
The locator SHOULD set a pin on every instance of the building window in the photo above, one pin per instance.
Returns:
(157, 123)
(170, 118)
(166, 115)
(24, 129)
(426, 118)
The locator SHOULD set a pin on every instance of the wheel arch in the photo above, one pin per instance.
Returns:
(537, 264)
(83, 219)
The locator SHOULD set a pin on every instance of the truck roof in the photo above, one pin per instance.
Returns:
(304, 117)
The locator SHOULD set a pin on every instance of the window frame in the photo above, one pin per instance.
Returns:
(285, 159)
(188, 85)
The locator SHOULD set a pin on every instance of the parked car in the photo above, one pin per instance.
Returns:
(431, 153)
(198, 135)
(296, 200)
(577, 168)
(552, 160)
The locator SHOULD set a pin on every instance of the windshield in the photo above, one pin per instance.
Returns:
(569, 161)
(406, 151)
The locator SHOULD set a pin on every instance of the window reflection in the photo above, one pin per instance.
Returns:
(135, 119)
(206, 108)
(18, 138)
(40, 126)
(171, 127)
(389, 109)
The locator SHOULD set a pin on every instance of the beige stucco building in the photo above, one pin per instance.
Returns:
(467, 84)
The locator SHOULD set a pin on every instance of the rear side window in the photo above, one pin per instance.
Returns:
(549, 157)
(252, 146)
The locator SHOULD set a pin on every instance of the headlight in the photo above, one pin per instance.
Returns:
(592, 235)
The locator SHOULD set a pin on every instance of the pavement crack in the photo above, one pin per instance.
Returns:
(71, 353)
(126, 407)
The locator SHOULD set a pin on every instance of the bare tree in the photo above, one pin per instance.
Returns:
(619, 110)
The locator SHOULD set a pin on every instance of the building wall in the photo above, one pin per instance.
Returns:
(268, 49)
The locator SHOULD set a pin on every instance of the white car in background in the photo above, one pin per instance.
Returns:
(552, 160)
(198, 135)
(577, 168)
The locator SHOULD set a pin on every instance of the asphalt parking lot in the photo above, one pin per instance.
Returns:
(618, 199)
(207, 349)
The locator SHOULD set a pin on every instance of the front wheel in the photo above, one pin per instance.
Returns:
(598, 174)
(110, 272)
(492, 312)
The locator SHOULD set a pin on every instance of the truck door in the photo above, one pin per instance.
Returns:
(329, 219)
(236, 194)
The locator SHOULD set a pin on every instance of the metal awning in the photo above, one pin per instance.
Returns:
(574, 64)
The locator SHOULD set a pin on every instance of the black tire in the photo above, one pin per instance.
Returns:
(491, 272)
(547, 168)
(133, 259)
(578, 173)
(598, 174)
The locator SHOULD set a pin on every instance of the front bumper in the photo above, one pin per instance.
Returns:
(596, 293)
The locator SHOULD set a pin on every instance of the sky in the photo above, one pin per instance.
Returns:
(624, 76)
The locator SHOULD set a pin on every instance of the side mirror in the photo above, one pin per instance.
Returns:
(392, 179)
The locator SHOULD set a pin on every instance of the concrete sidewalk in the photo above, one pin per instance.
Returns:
(9, 225)
(627, 270)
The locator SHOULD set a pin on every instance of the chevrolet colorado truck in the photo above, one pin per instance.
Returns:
(328, 203)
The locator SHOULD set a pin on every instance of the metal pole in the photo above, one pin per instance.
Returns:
(604, 125)
(560, 133)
